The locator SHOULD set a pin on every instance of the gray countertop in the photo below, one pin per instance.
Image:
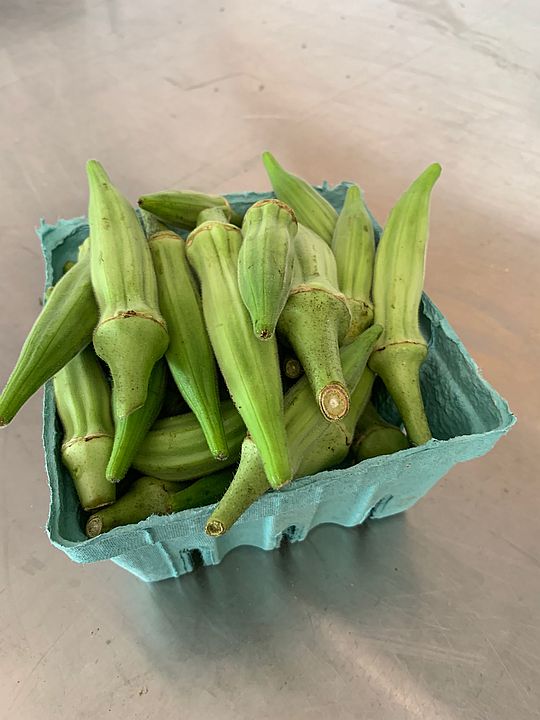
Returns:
(431, 614)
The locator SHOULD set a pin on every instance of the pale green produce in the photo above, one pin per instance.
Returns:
(314, 443)
(192, 324)
(63, 328)
(189, 356)
(315, 320)
(83, 401)
(353, 245)
(150, 496)
(374, 436)
(250, 367)
(131, 334)
(176, 448)
(311, 209)
(182, 208)
(131, 430)
(397, 290)
(265, 263)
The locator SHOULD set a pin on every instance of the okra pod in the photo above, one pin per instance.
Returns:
(131, 334)
(265, 263)
(189, 355)
(353, 244)
(315, 320)
(83, 402)
(397, 290)
(130, 431)
(63, 328)
(176, 448)
(151, 496)
(374, 436)
(310, 207)
(250, 367)
(182, 208)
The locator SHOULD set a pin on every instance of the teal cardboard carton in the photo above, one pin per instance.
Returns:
(466, 416)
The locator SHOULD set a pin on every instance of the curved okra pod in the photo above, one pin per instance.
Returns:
(310, 207)
(397, 289)
(248, 485)
(83, 402)
(315, 320)
(182, 208)
(353, 244)
(250, 367)
(176, 448)
(63, 328)
(131, 334)
(189, 356)
(374, 436)
(314, 443)
(150, 496)
(265, 263)
(130, 431)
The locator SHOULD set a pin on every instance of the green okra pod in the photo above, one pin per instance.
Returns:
(83, 402)
(397, 290)
(131, 334)
(182, 208)
(353, 244)
(265, 263)
(130, 431)
(314, 443)
(374, 436)
(63, 328)
(335, 448)
(151, 496)
(311, 209)
(315, 320)
(189, 355)
(173, 402)
(250, 367)
(176, 448)
(219, 214)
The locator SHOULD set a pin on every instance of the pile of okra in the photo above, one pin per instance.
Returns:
(211, 367)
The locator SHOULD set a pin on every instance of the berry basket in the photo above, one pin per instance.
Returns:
(466, 416)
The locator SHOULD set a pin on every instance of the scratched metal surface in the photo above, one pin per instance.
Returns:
(434, 614)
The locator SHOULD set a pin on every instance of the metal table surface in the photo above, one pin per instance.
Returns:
(432, 614)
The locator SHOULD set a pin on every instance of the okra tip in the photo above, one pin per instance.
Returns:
(293, 368)
(111, 476)
(334, 401)
(272, 167)
(263, 331)
(269, 161)
(214, 528)
(353, 193)
(96, 172)
(430, 175)
(94, 526)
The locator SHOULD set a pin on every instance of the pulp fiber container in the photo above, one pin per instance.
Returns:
(465, 413)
